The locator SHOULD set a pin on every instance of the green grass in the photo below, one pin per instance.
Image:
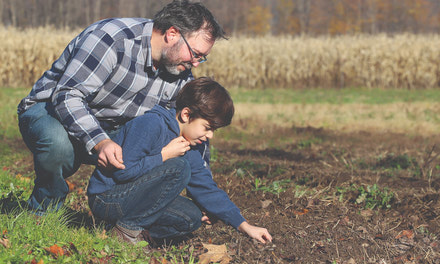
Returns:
(9, 99)
(333, 96)
(27, 239)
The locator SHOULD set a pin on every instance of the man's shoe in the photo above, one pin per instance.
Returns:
(132, 236)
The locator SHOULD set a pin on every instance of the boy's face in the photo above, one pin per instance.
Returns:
(196, 131)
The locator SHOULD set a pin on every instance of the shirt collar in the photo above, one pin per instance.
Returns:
(146, 46)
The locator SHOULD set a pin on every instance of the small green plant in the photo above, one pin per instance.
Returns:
(369, 197)
(300, 191)
(399, 162)
(276, 187)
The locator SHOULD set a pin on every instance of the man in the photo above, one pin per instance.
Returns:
(113, 71)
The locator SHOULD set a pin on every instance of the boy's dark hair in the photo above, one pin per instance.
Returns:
(188, 18)
(206, 99)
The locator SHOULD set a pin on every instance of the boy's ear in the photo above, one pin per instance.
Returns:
(185, 115)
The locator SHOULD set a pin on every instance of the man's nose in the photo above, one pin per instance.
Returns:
(195, 63)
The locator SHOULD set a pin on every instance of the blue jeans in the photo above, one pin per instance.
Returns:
(56, 156)
(152, 202)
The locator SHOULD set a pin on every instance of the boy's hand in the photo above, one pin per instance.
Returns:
(207, 220)
(259, 233)
(176, 148)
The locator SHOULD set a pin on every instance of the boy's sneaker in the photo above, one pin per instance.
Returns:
(132, 236)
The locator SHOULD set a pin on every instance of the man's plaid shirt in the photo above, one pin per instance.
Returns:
(104, 78)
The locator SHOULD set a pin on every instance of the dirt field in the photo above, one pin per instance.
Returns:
(310, 220)
(312, 189)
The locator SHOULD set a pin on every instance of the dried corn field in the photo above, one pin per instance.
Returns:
(401, 61)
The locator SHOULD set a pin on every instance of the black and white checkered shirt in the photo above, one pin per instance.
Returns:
(104, 78)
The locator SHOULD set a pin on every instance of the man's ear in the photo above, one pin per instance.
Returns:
(185, 115)
(172, 35)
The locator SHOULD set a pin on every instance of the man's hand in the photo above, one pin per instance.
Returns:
(177, 147)
(259, 233)
(109, 154)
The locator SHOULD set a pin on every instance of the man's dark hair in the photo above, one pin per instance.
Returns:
(188, 18)
(206, 99)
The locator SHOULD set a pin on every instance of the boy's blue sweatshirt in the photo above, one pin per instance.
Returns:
(142, 140)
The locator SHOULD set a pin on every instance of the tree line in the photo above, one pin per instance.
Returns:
(250, 17)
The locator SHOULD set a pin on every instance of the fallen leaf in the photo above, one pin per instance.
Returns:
(216, 253)
(55, 250)
(80, 191)
(265, 203)
(303, 212)
(406, 233)
(71, 185)
(5, 242)
(34, 261)
(22, 178)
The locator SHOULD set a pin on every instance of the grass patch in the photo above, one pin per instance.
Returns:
(368, 197)
(9, 99)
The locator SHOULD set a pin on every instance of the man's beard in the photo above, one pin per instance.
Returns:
(170, 63)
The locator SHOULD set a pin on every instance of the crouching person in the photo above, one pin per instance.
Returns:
(162, 157)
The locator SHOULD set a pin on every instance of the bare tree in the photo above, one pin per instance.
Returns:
(304, 14)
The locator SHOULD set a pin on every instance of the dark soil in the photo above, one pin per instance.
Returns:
(312, 195)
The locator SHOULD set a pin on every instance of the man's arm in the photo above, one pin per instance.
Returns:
(93, 59)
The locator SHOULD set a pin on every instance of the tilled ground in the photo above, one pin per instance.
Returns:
(316, 215)
(313, 190)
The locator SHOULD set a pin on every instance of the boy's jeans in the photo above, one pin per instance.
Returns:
(56, 156)
(151, 202)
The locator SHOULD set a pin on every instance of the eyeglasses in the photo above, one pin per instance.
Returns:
(199, 58)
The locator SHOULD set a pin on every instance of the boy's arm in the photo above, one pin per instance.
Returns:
(206, 193)
(141, 152)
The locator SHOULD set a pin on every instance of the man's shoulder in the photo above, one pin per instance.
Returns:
(122, 28)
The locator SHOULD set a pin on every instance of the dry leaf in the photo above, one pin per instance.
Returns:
(216, 253)
(71, 185)
(406, 233)
(22, 178)
(303, 212)
(5, 242)
(265, 203)
(34, 261)
(55, 250)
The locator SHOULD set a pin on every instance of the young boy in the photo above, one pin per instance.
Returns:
(161, 158)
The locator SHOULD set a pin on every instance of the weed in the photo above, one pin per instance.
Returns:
(300, 191)
(369, 197)
(399, 162)
(276, 187)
